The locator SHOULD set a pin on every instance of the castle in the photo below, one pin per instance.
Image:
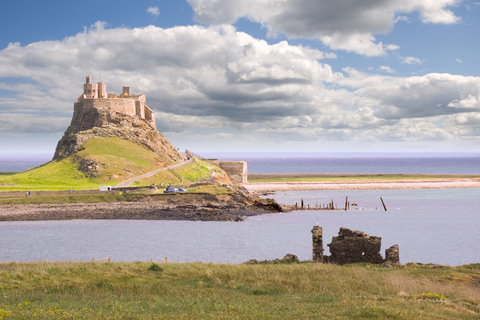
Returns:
(95, 96)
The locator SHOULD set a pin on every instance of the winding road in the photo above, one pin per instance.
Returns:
(128, 182)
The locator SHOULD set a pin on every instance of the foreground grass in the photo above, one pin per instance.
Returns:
(352, 177)
(141, 290)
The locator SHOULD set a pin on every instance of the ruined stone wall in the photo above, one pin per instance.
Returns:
(355, 246)
(236, 170)
(352, 247)
(317, 239)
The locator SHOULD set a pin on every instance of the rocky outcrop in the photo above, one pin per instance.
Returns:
(352, 246)
(188, 206)
(88, 123)
(289, 258)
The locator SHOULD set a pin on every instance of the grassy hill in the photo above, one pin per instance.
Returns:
(145, 290)
(102, 161)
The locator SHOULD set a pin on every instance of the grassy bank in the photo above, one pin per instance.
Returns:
(99, 198)
(141, 290)
(115, 160)
(252, 178)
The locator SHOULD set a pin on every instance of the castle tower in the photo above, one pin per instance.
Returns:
(90, 90)
(102, 90)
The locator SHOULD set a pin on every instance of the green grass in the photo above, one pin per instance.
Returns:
(117, 290)
(352, 177)
(99, 198)
(7, 173)
(120, 159)
(81, 198)
(197, 171)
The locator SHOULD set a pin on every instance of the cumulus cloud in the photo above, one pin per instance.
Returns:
(387, 69)
(211, 83)
(347, 25)
(411, 60)
(154, 11)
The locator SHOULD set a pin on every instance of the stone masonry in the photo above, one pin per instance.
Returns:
(351, 247)
(95, 96)
(317, 238)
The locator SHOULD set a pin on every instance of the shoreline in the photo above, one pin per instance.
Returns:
(362, 185)
(187, 207)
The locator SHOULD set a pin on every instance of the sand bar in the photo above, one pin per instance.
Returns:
(364, 185)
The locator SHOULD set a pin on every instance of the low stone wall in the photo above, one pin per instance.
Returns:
(236, 170)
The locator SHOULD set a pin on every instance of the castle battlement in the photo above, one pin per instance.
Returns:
(95, 96)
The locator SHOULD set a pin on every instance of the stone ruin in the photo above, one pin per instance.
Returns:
(352, 246)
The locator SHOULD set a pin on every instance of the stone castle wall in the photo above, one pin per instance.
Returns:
(236, 170)
(124, 106)
(95, 96)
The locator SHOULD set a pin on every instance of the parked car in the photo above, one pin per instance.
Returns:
(172, 189)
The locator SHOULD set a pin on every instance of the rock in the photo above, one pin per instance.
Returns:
(290, 258)
(392, 255)
(114, 124)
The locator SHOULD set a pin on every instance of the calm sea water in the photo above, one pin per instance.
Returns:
(18, 162)
(446, 163)
(430, 226)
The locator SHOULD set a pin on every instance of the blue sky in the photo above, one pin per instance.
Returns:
(271, 75)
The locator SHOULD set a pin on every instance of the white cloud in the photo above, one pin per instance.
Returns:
(346, 25)
(411, 60)
(217, 83)
(387, 69)
(154, 11)
(459, 61)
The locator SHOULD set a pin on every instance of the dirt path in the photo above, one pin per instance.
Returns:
(128, 182)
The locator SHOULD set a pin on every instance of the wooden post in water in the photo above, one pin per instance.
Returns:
(346, 203)
(302, 203)
(384, 207)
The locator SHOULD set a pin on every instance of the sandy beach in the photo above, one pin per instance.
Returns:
(363, 185)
